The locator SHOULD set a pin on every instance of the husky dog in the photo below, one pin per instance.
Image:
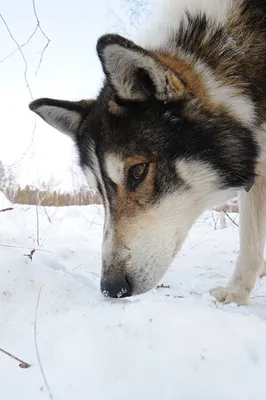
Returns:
(179, 126)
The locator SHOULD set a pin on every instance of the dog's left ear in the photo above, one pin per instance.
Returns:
(135, 73)
(65, 116)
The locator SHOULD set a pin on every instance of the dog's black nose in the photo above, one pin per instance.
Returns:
(116, 286)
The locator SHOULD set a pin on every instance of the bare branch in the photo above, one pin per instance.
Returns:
(38, 21)
(37, 225)
(22, 45)
(22, 55)
(19, 48)
(43, 33)
(36, 345)
(41, 58)
(29, 146)
(47, 215)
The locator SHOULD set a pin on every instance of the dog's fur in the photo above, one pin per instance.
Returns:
(189, 106)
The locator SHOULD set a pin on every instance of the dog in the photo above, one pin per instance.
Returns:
(178, 127)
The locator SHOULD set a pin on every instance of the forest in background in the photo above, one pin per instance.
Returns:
(45, 194)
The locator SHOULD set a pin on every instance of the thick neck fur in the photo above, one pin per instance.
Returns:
(223, 38)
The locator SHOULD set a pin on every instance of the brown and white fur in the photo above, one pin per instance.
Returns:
(179, 125)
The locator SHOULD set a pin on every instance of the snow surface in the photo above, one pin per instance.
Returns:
(171, 343)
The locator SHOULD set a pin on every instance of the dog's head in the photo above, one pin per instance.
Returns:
(153, 146)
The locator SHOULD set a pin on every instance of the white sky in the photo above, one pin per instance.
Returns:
(70, 70)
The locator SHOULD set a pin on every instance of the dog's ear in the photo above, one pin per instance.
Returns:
(63, 115)
(135, 73)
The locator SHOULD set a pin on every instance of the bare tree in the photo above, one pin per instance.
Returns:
(8, 181)
(138, 10)
(132, 13)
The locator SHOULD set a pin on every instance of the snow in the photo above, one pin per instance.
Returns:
(171, 343)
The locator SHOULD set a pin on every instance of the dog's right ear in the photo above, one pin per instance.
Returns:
(65, 116)
(137, 74)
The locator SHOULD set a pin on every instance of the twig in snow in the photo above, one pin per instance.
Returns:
(94, 274)
(231, 219)
(21, 247)
(30, 254)
(192, 291)
(7, 209)
(211, 273)
(36, 346)
(37, 226)
(47, 215)
(22, 364)
(77, 267)
(162, 286)
(198, 244)
(257, 297)
(215, 220)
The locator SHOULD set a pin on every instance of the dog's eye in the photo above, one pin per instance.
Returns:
(137, 171)
(136, 174)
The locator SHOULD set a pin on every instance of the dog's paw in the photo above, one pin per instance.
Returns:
(230, 294)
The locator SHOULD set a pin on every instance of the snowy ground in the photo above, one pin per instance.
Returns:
(172, 343)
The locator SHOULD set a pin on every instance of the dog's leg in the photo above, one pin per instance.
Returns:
(263, 270)
(252, 240)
